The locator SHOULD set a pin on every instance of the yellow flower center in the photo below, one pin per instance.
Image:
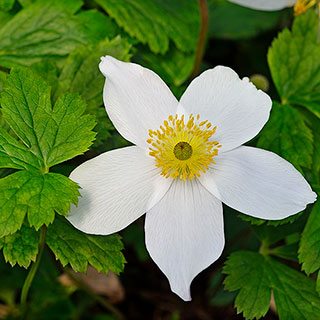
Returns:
(302, 6)
(183, 150)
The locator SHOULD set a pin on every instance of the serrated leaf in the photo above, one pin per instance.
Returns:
(309, 250)
(78, 249)
(174, 67)
(49, 29)
(294, 61)
(36, 195)
(242, 23)
(156, 22)
(53, 134)
(21, 247)
(255, 276)
(287, 134)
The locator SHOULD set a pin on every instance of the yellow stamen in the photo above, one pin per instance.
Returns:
(302, 6)
(184, 148)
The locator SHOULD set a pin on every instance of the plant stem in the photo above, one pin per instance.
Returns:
(104, 303)
(34, 268)
(203, 8)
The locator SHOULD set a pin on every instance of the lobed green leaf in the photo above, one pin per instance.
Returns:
(78, 249)
(255, 276)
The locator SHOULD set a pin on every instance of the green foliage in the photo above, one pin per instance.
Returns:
(294, 62)
(309, 250)
(242, 23)
(175, 66)
(255, 276)
(50, 135)
(6, 5)
(158, 21)
(20, 247)
(49, 29)
(287, 134)
(72, 246)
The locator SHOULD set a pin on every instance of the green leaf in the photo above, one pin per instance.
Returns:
(242, 23)
(3, 77)
(309, 250)
(77, 248)
(21, 247)
(36, 195)
(294, 61)
(287, 134)
(255, 276)
(174, 67)
(81, 73)
(6, 5)
(49, 136)
(50, 29)
(158, 21)
(53, 134)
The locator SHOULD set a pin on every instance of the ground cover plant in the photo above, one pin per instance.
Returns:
(53, 120)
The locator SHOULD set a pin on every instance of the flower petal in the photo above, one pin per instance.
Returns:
(184, 233)
(118, 187)
(235, 106)
(136, 99)
(258, 183)
(267, 5)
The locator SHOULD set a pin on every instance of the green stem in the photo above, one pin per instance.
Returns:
(203, 8)
(34, 268)
(104, 303)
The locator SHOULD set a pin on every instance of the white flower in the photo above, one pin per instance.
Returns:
(267, 5)
(186, 161)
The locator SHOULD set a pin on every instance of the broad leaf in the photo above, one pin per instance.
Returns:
(255, 276)
(287, 134)
(49, 29)
(309, 250)
(20, 247)
(54, 134)
(78, 249)
(36, 195)
(242, 23)
(294, 62)
(158, 21)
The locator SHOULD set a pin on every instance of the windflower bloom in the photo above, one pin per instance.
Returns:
(186, 160)
(300, 6)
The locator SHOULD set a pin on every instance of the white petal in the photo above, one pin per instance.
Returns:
(184, 233)
(267, 5)
(136, 99)
(235, 106)
(258, 183)
(118, 187)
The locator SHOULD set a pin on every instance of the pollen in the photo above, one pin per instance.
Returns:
(183, 149)
(302, 6)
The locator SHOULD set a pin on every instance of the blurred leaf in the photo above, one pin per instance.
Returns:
(242, 23)
(4, 18)
(3, 77)
(174, 67)
(288, 252)
(309, 250)
(6, 5)
(294, 62)
(77, 248)
(255, 276)
(158, 21)
(20, 247)
(49, 29)
(287, 134)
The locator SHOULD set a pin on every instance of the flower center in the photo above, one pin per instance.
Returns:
(183, 149)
